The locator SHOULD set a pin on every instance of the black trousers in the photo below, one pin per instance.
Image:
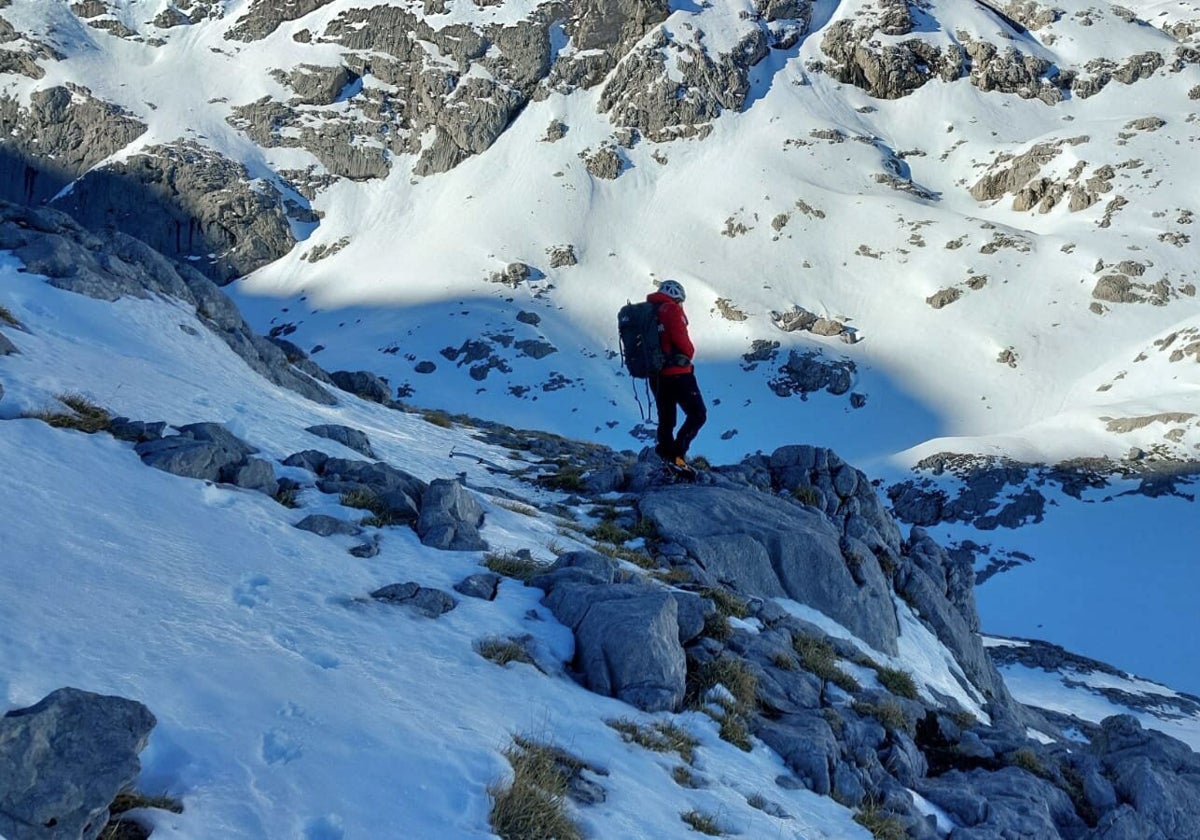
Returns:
(672, 393)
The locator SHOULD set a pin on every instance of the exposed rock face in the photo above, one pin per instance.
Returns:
(264, 17)
(397, 492)
(187, 202)
(628, 636)
(646, 92)
(421, 599)
(762, 546)
(108, 265)
(450, 517)
(65, 759)
(208, 451)
(61, 134)
(352, 438)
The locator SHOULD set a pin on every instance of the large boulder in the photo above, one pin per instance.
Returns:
(201, 450)
(626, 641)
(397, 491)
(764, 546)
(64, 760)
(352, 438)
(450, 517)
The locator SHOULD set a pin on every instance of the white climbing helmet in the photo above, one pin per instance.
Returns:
(673, 289)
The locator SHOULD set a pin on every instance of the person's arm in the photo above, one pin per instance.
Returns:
(675, 327)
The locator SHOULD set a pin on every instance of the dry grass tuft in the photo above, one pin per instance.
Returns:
(514, 564)
(661, 736)
(532, 806)
(83, 415)
(819, 657)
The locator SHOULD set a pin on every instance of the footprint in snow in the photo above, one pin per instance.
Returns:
(321, 658)
(251, 592)
(328, 827)
(280, 747)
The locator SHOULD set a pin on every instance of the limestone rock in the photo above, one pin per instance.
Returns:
(352, 438)
(450, 517)
(65, 759)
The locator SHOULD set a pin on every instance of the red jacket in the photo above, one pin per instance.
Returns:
(675, 339)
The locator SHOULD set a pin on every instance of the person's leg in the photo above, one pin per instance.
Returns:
(687, 393)
(664, 399)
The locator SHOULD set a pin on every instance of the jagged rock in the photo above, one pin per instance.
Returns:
(62, 134)
(450, 517)
(255, 474)
(942, 592)
(190, 203)
(264, 17)
(202, 450)
(310, 459)
(135, 431)
(805, 372)
(7, 348)
(363, 383)
(663, 103)
(605, 163)
(65, 759)
(482, 585)
(397, 491)
(326, 526)
(1008, 802)
(428, 602)
(626, 642)
(807, 746)
(348, 437)
(317, 85)
(109, 265)
(535, 349)
(944, 297)
(763, 546)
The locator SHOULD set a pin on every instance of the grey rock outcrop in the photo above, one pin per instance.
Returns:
(450, 517)
(421, 599)
(64, 760)
(62, 134)
(395, 491)
(201, 450)
(807, 371)
(646, 95)
(354, 439)
(363, 383)
(324, 525)
(189, 203)
(108, 265)
(626, 642)
(763, 546)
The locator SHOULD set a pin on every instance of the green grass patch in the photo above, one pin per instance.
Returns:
(519, 565)
(567, 479)
(684, 777)
(819, 657)
(889, 713)
(883, 826)
(806, 495)
(610, 532)
(381, 516)
(783, 662)
(733, 729)
(82, 414)
(897, 682)
(661, 736)
(517, 507)
(504, 651)
(532, 805)
(439, 418)
(728, 671)
(286, 496)
(635, 556)
(704, 823)
(673, 576)
(1027, 760)
(727, 604)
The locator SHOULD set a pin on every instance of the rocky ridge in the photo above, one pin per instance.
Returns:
(688, 614)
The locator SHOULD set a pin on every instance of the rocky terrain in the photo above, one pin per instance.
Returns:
(725, 603)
